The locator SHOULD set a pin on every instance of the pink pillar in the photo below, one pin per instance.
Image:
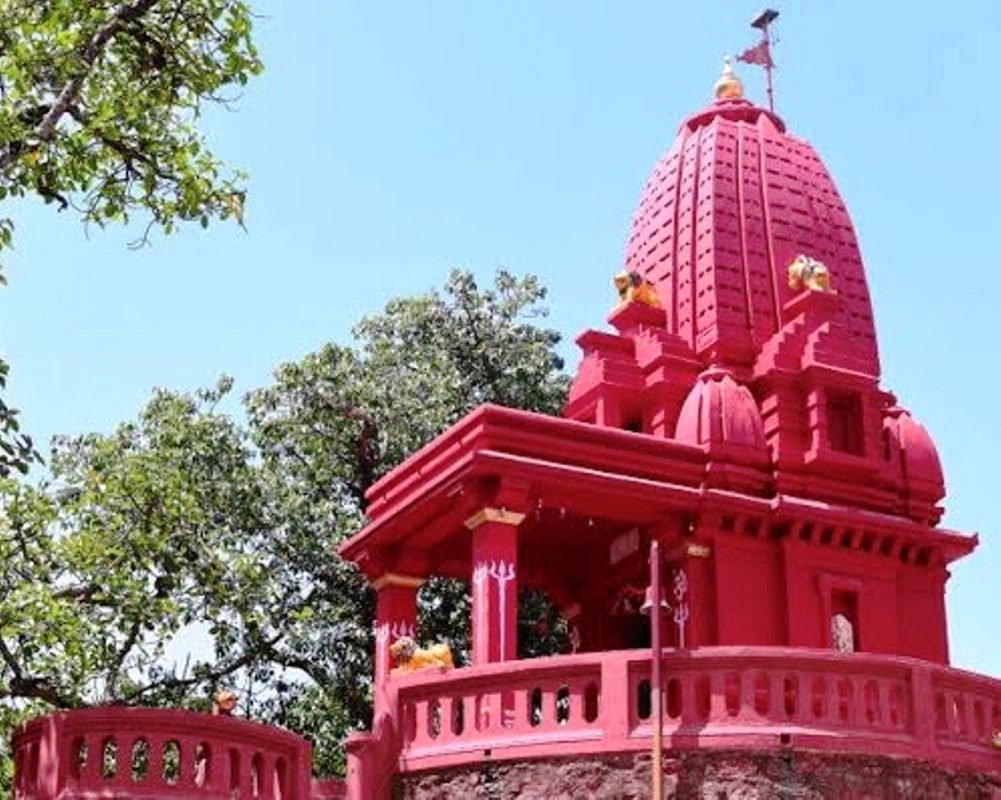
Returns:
(395, 616)
(698, 567)
(495, 584)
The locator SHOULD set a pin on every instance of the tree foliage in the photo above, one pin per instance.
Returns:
(99, 100)
(99, 108)
(187, 519)
(16, 448)
(185, 522)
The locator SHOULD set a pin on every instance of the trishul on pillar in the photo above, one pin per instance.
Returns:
(495, 584)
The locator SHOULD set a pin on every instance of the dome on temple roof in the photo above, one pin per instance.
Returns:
(731, 204)
(910, 447)
(722, 415)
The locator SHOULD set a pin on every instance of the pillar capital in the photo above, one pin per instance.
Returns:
(395, 579)
(685, 551)
(491, 514)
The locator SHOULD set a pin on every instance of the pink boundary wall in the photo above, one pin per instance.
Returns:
(721, 697)
(217, 757)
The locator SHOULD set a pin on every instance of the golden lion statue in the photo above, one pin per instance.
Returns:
(410, 658)
(224, 703)
(633, 287)
(808, 273)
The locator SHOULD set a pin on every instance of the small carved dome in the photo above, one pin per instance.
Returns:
(910, 446)
(721, 413)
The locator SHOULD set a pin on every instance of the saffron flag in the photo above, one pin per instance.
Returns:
(759, 54)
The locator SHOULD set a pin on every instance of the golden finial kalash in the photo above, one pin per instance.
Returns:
(729, 86)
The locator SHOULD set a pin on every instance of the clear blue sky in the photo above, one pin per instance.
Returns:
(388, 142)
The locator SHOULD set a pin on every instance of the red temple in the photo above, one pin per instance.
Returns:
(734, 415)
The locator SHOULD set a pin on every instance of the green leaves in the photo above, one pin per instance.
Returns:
(185, 520)
(17, 450)
(99, 103)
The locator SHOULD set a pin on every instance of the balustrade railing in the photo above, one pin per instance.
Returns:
(726, 697)
(536, 702)
(967, 710)
(151, 753)
(565, 705)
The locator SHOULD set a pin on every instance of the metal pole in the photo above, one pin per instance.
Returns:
(656, 707)
(762, 23)
(768, 68)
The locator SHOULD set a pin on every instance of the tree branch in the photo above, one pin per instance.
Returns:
(38, 689)
(34, 688)
(120, 18)
(9, 660)
(82, 593)
(206, 677)
(123, 652)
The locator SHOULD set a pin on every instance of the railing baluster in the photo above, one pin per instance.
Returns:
(858, 709)
(548, 721)
(717, 696)
(952, 714)
(267, 777)
(965, 727)
(776, 697)
(95, 755)
(246, 782)
(216, 774)
(689, 701)
(920, 701)
(492, 711)
(445, 712)
(156, 744)
(746, 684)
(804, 701)
(617, 699)
(522, 710)
(830, 699)
(577, 689)
(421, 732)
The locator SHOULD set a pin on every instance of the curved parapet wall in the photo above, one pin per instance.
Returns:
(717, 698)
(146, 753)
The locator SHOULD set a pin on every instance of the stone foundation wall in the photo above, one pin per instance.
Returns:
(789, 775)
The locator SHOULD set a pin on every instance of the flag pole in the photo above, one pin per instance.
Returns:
(762, 23)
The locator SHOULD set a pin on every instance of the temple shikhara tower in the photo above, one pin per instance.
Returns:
(732, 416)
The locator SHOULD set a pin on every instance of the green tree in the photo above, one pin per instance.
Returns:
(186, 517)
(99, 105)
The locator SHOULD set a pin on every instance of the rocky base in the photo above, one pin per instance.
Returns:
(717, 775)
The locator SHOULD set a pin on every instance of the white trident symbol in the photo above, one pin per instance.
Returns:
(504, 574)
(680, 608)
(479, 580)
(400, 629)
